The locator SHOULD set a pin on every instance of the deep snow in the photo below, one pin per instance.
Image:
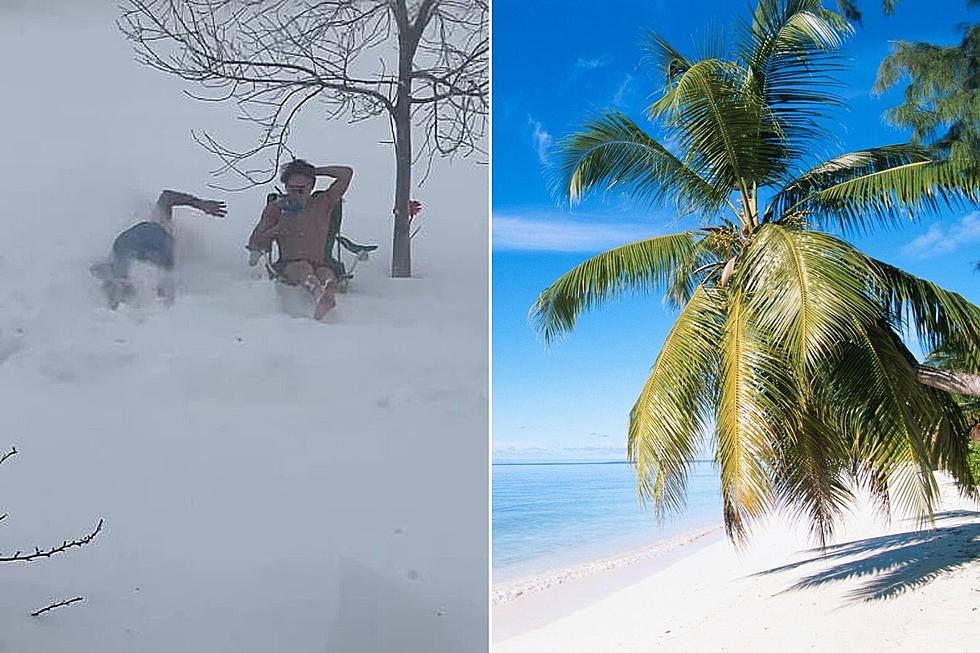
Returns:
(268, 483)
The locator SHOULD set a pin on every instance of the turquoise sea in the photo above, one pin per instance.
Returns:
(552, 515)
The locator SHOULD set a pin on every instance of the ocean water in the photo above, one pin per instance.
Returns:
(554, 515)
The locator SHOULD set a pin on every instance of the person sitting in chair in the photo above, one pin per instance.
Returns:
(300, 222)
(151, 242)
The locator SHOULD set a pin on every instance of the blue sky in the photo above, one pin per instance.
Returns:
(553, 66)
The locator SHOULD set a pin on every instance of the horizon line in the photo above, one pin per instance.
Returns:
(581, 462)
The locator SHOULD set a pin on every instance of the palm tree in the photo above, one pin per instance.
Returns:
(948, 358)
(786, 349)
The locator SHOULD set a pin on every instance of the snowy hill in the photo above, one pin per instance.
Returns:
(268, 483)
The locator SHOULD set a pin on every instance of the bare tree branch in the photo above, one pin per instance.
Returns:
(59, 604)
(47, 553)
(12, 452)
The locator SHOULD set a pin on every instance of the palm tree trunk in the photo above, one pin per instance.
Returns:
(959, 383)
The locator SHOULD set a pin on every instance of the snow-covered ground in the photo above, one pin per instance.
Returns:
(268, 483)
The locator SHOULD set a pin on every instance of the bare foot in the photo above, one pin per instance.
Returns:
(326, 301)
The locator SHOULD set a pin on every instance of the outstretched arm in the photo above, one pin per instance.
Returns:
(342, 176)
(171, 198)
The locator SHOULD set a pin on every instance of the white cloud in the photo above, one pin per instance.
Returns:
(593, 63)
(939, 240)
(619, 97)
(529, 234)
(541, 138)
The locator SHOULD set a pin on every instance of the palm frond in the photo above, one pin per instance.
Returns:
(753, 403)
(638, 267)
(791, 50)
(954, 354)
(811, 466)
(849, 9)
(717, 126)
(942, 320)
(668, 422)
(808, 292)
(894, 195)
(949, 447)
(790, 200)
(665, 60)
(611, 152)
(890, 418)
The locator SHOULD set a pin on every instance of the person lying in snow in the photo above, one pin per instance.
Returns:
(149, 242)
(299, 222)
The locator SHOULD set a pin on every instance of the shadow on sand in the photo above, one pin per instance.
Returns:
(893, 564)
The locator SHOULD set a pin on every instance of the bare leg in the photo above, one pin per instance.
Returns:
(330, 285)
(302, 273)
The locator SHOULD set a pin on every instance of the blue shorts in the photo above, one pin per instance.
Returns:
(147, 242)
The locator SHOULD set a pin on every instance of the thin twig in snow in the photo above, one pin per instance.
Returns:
(13, 450)
(56, 605)
(42, 553)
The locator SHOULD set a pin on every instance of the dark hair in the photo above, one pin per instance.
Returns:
(297, 167)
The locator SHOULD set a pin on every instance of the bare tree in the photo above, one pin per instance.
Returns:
(420, 63)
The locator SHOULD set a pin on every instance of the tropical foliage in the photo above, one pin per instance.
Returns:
(950, 358)
(787, 350)
(941, 104)
(973, 459)
(851, 11)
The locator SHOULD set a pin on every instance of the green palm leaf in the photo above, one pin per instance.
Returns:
(665, 60)
(791, 50)
(894, 195)
(668, 420)
(812, 465)
(791, 199)
(612, 152)
(943, 320)
(808, 291)
(752, 408)
(638, 267)
(949, 446)
(891, 417)
(719, 128)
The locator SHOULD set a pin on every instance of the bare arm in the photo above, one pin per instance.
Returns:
(265, 230)
(342, 176)
(171, 198)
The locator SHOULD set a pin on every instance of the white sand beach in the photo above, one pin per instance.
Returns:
(878, 587)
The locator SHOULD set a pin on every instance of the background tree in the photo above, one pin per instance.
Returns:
(850, 10)
(787, 347)
(941, 104)
(420, 63)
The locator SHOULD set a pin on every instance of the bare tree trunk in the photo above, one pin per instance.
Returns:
(401, 249)
(960, 383)
(408, 39)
